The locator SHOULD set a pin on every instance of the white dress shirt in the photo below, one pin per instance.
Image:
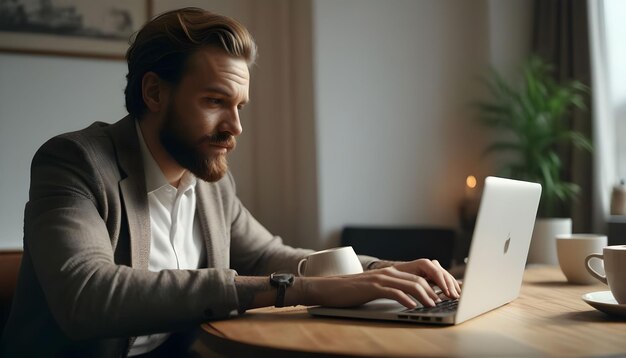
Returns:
(176, 240)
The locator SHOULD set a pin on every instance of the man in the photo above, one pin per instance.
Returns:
(133, 230)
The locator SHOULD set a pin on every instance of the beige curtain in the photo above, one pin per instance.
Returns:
(560, 36)
(604, 122)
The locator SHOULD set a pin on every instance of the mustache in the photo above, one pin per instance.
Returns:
(222, 139)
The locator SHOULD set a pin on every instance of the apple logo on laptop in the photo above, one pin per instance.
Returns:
(507, 243)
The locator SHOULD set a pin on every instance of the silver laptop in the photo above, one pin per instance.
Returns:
(495, 267)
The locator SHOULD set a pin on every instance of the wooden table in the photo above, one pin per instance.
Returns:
(548, 319)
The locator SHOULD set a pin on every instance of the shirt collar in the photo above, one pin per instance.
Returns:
(155, 179)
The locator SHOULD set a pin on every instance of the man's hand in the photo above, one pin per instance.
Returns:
(399, 282)
(429, 269)
(432, 271)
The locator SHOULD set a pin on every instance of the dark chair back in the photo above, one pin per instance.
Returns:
(9, 267)
(402, 243)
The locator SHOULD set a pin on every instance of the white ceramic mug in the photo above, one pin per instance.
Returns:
(331, 262)
(614, 258)
(572, 250)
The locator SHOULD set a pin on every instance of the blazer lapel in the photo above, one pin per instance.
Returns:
(133, 188)
(212, 224)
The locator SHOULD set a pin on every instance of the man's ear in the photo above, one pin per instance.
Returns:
(152, 91)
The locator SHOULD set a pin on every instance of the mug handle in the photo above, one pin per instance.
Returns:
(592, 271)
(303, 261)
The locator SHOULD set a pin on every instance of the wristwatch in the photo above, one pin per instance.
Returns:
(281, 281)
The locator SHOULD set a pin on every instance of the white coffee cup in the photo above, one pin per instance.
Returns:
(614, 258)
(572, 250)
(331, 262)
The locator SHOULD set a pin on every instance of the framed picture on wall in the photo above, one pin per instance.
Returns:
(71, 27)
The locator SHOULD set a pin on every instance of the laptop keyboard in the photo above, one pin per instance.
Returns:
(441, 307)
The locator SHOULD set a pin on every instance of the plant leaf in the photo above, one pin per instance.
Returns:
(537, 112)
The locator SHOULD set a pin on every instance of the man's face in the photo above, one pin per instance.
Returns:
(202, 115)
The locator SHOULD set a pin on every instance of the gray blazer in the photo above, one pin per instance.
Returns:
(84, 286)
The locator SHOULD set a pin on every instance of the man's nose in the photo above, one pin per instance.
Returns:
(231, 123)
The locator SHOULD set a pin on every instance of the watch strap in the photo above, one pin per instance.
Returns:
(281, 282)
(280, 295)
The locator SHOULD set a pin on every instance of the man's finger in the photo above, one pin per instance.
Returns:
(398, 295)
(436, 273)
(427, 288)
(450, 281)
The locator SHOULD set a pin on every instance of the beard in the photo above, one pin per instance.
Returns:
(188, 154)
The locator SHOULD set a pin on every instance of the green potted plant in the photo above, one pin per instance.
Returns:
(533, 118)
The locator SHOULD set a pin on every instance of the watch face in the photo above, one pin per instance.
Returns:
(284, 278)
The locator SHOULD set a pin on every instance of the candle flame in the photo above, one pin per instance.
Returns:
(471, 182)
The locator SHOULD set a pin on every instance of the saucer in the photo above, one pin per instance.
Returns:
(605, 302)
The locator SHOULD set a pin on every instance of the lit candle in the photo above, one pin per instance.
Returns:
(470, 187)
(469, 205)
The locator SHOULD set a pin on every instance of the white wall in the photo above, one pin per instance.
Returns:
(396, 135)
(510, 35)
(40, 97)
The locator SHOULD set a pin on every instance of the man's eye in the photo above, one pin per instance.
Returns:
(214, 101)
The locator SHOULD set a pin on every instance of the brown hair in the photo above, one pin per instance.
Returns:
(164, 44)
